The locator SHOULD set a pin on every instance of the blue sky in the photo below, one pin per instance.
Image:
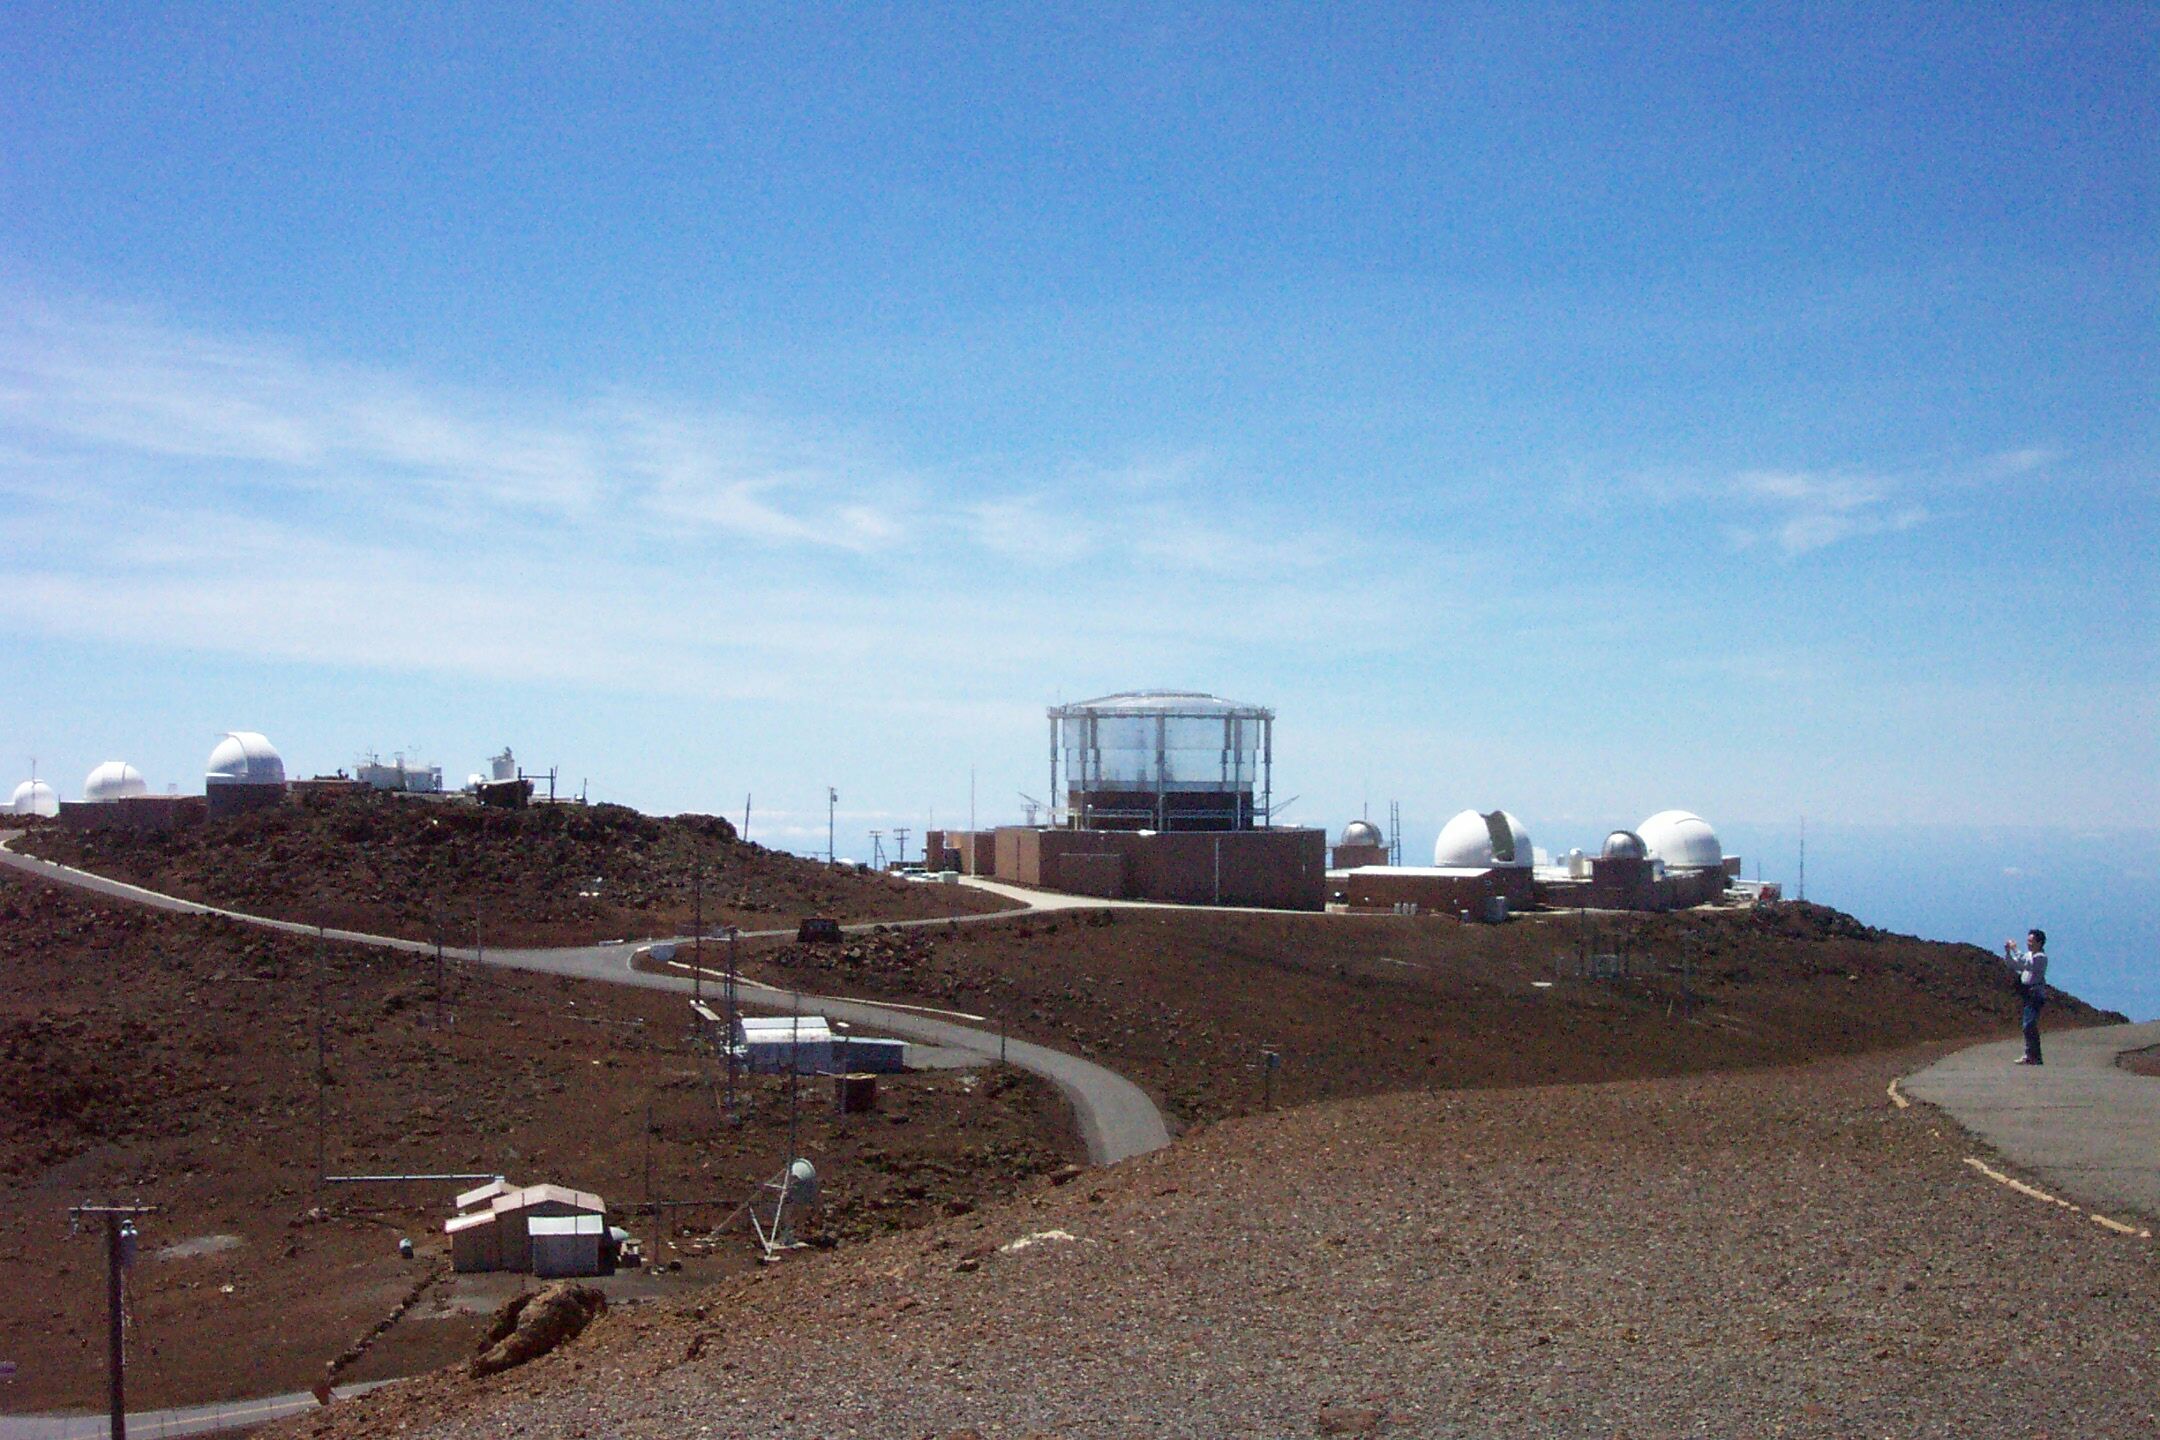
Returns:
(1579, 410)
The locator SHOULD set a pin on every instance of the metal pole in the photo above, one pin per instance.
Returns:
(697, 940)
(794, 1078)
(734, 935)
(832, 805)
(322, 1070)
(115, 1340)
(648, 1159)
(117, 1259)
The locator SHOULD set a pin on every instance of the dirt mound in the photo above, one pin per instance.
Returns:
(551, 874)
(530, 1325)
(1191, 1003)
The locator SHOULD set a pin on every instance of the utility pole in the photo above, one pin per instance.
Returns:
(119, 1254)
(744, 835)
(734, 935)
(697, 939)
(322, 1070)
(832, 806)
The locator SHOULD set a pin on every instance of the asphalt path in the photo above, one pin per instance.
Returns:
(1117, 1120)
(210, 1419)
(2081, 1122)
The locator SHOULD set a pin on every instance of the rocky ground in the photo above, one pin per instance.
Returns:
(550, 875)
(1776, 1252)
(169, 1060)
(1186, 1002)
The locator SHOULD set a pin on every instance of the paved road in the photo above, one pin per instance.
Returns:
(2089, 1127)
(182, 1420)
(1117, 1119)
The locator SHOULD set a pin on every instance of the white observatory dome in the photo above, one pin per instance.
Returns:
(1625, 845)
(245, 758)
(1363, 832)
(114, 780)
(1474, 841)
(1683, 840)
(34, 797)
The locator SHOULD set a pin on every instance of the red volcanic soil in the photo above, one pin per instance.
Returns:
(1773, 1252)
(549, 875)
(170, 1060)
(1185, 1002)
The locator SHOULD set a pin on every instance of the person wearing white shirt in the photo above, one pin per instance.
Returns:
(2030, 967)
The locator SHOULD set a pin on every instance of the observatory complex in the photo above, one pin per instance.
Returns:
(245, 772)
(1484, 864)
(1156, 795)
(1169, 795)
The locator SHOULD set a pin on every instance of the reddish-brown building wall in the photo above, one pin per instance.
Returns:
(226, 800)
(136, 812)
(1277, 869)
(1384, 889)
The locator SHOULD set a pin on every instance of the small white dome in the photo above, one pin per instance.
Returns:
(114, 780)
(1682, 839)
(1482, 841)
(1362, 832)
(245, 758)
(34, 797)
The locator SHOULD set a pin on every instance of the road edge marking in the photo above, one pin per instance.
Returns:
(2037, 1193)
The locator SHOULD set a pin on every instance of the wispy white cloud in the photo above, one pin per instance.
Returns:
(1810, 511)
(199, 492)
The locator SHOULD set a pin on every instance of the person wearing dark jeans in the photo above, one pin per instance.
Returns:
(2030, 967)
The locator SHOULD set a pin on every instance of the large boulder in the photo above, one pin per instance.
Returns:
(530, 1325)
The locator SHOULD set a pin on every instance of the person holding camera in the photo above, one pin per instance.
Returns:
(2030, 967)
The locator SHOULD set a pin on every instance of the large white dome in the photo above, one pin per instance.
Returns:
(114, 780)
(1682, 839)
(1475, 841)
(245, 758)
(34, 797)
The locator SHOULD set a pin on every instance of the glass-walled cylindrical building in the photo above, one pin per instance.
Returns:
(1162, 760)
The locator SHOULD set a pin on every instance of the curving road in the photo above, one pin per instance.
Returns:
(2080, 1121)
(1117, 1119)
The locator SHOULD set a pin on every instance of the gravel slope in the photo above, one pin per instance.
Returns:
(1775, 1252)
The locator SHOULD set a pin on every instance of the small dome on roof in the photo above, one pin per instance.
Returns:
(245, 758)
(1625, 845)
(34, 797)
(1363, 832)
(1481, 841)
(1683, 840)
(114, 780)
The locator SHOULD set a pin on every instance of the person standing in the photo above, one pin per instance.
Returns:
(2030, 967)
